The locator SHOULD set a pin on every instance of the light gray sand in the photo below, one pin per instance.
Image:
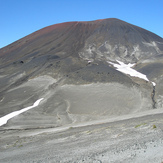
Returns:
(131, 140)
(67, 104)
(127, 135)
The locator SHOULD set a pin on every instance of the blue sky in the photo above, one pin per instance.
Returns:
(19, 18)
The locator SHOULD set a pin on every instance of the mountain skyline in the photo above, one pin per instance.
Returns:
(20, 18)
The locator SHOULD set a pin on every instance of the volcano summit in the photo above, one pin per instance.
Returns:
(84, 73)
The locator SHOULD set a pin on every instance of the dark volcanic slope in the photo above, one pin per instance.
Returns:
(67, 39)
(68, 65)
(63, 39)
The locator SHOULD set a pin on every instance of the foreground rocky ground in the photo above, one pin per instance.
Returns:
(129, 139)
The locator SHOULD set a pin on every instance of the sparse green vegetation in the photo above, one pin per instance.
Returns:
(142, 124)
(88, 132)
(154, 126)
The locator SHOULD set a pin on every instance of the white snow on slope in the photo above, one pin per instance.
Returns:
(3, 120)
(154, 84)
(126, 69)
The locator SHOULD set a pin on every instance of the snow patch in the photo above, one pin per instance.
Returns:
(154, 84)
(3, 120)
(126, 69)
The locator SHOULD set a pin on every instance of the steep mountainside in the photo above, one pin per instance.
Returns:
(83, 71)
